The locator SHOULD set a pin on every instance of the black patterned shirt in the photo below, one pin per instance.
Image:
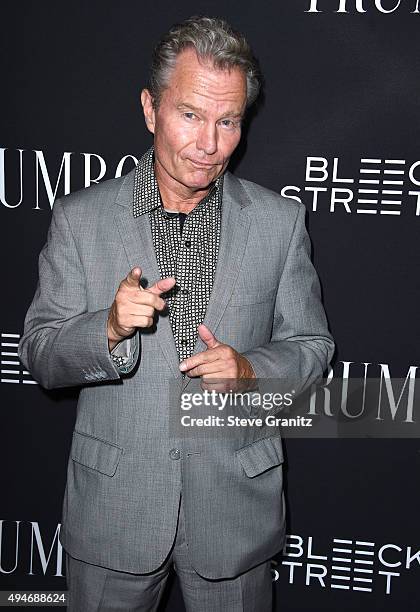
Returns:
(186, 247)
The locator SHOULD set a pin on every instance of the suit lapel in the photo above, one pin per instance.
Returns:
(233, 240)
(136, 237)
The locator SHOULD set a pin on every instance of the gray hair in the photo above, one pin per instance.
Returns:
(212, 39)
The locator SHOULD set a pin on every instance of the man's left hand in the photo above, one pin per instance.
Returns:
(218, 361)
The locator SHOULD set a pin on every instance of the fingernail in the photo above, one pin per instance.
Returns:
(182, 366)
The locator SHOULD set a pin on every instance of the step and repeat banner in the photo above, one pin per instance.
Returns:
(339, 130)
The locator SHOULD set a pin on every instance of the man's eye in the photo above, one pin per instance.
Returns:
(189, 115)
(228, 123)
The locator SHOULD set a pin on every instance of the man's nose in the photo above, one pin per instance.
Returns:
(207, 139)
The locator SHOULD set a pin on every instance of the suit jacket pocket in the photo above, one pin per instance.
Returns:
(260, 455)
(95, 453)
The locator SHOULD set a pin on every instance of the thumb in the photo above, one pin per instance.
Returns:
(161, 286)
(134, 276)
(207, 336)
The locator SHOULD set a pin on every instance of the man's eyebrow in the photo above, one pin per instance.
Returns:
(201, 111)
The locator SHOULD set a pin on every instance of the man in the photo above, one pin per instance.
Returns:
(217, 285)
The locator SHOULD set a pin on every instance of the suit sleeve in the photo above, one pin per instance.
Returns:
(301, 346)
(63, 344)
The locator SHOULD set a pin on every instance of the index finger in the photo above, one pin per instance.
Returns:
(192, 362)
(162, 285)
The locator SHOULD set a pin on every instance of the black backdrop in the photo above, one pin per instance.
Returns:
(341, 84)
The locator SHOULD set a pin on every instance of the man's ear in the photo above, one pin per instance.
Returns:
(148, 110)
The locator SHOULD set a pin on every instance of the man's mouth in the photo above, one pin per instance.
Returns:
(198, 164)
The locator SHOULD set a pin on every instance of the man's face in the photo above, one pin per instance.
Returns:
(197, 125)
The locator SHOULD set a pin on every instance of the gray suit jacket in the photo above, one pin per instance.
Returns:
(124, 478)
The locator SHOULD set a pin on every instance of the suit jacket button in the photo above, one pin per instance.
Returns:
(175, 453)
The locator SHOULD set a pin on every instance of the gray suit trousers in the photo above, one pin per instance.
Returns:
(97, 589)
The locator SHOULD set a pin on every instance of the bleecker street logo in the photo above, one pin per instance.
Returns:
(348, 565)
(11, 367)
(361, 6)
(382, 187)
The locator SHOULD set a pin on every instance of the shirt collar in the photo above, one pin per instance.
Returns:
(146, 190)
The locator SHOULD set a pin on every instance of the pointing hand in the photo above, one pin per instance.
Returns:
(134, 306)
(219, 361)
